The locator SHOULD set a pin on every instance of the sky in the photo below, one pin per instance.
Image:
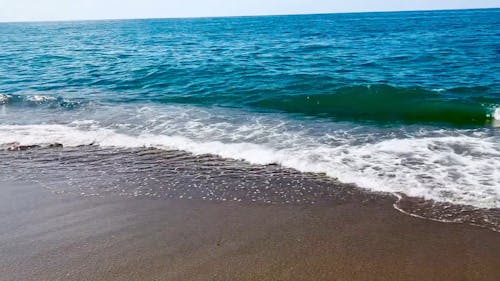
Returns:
(53, 10)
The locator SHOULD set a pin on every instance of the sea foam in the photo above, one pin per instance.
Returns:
(457, 169)
(496, 114)
(4, 99)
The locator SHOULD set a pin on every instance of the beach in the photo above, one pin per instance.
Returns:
(51, 229)
(348, 146)
(53, 237)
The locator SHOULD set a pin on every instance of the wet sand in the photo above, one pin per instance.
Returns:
(47, 236)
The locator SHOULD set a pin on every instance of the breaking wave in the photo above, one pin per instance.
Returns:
(458, 169)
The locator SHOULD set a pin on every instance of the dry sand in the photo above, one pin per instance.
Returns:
(45, 236)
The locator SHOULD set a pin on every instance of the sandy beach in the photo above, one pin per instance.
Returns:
(46, 236)
(254, 141)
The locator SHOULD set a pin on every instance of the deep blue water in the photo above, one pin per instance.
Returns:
(401, 102)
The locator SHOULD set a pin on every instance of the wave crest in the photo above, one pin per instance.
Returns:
(37, 100)
(385, 103)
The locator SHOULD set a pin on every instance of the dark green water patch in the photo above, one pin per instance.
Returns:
(385, 103)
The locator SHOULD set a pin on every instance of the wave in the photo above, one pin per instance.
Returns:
(386, 103)
(458, 169)
(38, 100)
(465, 106)
(472, 106)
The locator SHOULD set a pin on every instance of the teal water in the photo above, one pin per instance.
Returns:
(399, 102)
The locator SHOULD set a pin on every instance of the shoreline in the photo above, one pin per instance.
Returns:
(92, 171)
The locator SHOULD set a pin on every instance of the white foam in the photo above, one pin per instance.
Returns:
(40, 98)
(463, 169)
(4, 99)
(84, 122)
(496, 114)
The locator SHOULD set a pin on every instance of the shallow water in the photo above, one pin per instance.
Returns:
(93, 171)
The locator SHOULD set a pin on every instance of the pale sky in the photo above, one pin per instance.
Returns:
(50, 10)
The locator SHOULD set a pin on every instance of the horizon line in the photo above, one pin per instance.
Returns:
(245, 16)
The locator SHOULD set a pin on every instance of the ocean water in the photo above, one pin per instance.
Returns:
(406, 103)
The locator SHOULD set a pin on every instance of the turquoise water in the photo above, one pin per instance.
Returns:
(400, 102)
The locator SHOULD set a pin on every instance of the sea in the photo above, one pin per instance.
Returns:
(405, 103)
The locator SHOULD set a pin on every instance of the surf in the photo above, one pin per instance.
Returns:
(457, 168)
(377, 103)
